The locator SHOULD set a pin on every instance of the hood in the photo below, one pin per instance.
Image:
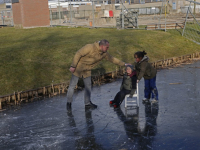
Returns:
(145, 58)
(98, 47)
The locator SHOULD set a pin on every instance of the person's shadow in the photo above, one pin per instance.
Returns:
(130, 122)
(150, 129)
(88, 140)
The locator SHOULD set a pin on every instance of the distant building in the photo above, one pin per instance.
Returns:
(30, 13)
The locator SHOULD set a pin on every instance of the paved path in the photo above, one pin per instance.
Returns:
(172, 125)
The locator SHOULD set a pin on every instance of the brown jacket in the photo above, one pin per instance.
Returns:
(88, 56)
(145, 69)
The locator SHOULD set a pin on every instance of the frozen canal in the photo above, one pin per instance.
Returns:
(46, 124)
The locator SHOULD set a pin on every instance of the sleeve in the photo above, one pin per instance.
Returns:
(134, 82)
(121, 87)
(142, 71)
(80, 53)
(114, 60)
(134, 65)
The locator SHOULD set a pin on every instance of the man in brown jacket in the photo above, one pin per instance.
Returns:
(84, 60)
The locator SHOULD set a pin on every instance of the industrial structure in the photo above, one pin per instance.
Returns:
(95, 13)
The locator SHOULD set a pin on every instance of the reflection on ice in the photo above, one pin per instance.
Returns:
(172, 124)
(86, 141)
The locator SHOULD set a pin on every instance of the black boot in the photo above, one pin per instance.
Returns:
(69, 106)
(91, 105)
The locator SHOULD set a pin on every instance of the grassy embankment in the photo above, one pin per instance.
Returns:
(37, 57)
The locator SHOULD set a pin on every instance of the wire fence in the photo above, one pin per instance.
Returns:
(6, 17)
(191, 29)
(99, 13)
(5, 1)
(84, 14)
(156, 14)
(6, 14)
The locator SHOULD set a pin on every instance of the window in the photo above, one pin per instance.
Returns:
(8, 6)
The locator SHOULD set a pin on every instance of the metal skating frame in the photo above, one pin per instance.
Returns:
(134, 101)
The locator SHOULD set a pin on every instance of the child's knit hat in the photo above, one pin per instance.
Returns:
(130, 66)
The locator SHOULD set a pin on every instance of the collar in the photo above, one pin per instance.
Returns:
(132, 74)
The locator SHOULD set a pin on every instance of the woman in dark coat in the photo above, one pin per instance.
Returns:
(145, 70)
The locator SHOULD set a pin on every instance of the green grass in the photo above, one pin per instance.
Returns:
(192, 31)
(32, 58)
(142, 26)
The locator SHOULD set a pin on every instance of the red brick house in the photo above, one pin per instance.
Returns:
(30, 13)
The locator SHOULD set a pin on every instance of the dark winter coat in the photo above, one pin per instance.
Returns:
(145, 69)
(129, 83)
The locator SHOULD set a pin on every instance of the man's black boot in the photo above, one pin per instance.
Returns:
(69, 106)
(91, 105)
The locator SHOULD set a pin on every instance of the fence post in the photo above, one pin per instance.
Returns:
(59, 11)
(70, 12)
(122, 16)
(165, 14)
(93, 14)
(50, 16)
(2, 16)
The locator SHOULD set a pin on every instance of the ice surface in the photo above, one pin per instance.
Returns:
(173, 124)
